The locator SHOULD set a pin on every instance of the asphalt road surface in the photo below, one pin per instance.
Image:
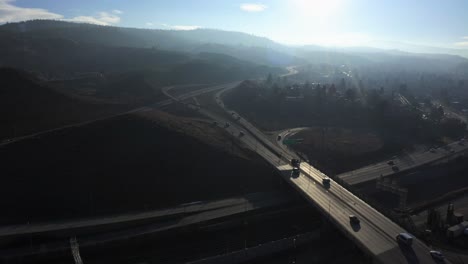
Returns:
(155, 222)
(230, 205)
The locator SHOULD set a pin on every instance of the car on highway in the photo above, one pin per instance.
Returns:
(437, 255)
(295, 162)
(432, 150)
(326, 181)
(278, 138)
(395, 168)
(227, 125)
(391, 163)
(405, 238)
(354, 220)
(295, 172)
(241, 133)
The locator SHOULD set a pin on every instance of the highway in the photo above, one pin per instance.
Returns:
(133, 225)
(139, 109)
(198, 210)
(375, 234)
(403, 162)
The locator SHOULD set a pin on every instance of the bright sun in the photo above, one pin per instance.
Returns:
(319, 22)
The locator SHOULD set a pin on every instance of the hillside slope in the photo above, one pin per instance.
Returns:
(27, 106)
(124, 164)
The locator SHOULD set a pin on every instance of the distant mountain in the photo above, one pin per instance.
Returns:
(62, 49)
(332, 57)
(258, 54)
(61, 55)
(419, 49)
(215, 67)
(143, 38)
(258, 50)
(232, 43)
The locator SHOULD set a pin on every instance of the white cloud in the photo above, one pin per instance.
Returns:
(149, 24)
(102, 18)
(462, 44)
(181, 27)
(12, 13)
(175, 27)
(251, 7)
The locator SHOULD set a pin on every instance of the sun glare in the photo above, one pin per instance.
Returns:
(317, 8)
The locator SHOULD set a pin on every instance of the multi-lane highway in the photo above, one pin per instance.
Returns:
(397, 164)
(122, 227)
(199, 209)
(403, 163)
(375, 234)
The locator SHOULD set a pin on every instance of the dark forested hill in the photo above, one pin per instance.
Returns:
(243, 46)
(240, 45)
(28, 106)
(61, 49)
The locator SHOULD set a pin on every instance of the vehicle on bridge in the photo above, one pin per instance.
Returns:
(295, 172)
(405, 238)
(437, 255)
(295, 162)
(326, 182)
(354, 220)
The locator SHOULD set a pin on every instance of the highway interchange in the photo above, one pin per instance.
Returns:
(375, 234)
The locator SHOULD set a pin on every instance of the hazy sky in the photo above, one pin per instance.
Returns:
(442, 23)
